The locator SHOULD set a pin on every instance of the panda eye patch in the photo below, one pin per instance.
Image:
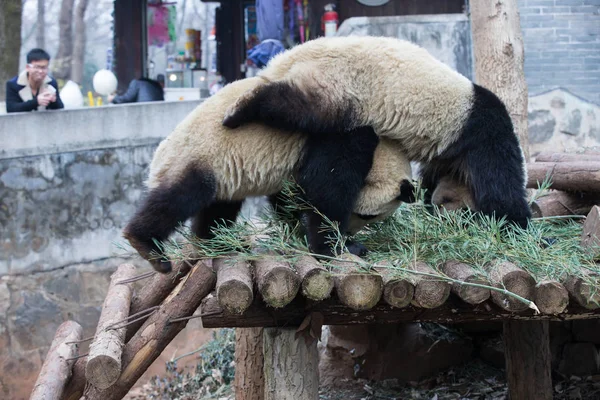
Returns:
(366, 217)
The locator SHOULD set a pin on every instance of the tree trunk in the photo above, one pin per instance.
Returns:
(40, 36)
(249, 360)
(10, 41)
(291, 367)
(79, 45)
(499, 54)
(61, 68)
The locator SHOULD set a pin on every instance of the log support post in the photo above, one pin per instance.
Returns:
(291, 369)
(249, 363)
(527, 354)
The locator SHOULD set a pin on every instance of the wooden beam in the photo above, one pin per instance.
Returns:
(527, 353)
(577, 176)
(334, 313)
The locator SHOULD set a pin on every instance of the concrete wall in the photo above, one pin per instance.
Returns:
(70, 179)
(562, 46)
(446, 36)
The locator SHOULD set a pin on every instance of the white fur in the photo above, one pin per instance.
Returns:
(255, 159)
(396, 86)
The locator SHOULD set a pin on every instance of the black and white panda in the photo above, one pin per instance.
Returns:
(451, 195)
(454, 127)
(202, 171)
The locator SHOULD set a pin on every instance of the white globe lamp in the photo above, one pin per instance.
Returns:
(104, 82)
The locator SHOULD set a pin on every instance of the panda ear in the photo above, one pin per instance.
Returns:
(407, 192)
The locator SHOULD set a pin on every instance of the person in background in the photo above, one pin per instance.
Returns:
(140, 90)
(33, 89)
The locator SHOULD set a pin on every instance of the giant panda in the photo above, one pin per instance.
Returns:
(454, 127)
(201, 171)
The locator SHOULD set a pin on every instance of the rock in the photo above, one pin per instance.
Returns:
(586, 330)
(579, 359)
(405, 352)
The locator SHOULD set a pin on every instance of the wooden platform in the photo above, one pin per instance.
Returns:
(334, 313)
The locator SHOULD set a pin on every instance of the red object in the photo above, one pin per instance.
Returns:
(329, 18)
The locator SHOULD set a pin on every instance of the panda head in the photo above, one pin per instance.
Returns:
(388, 184)
(383, 209)
(451, 195)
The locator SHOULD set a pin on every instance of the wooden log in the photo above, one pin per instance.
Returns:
(564, 203)
(453, 310)
(355, 287)
(397, 291)
(317, 282)
(277, 282)
(234, 284)
(465, 273)
(155, 291)
(527, 354)
(581, 176)
(590, 237)
(291, 369)
(584, 290)
(566, 157)
(147, 344)
(430, 292)
(506, 275)
(56, 369)
(104, 360)
(551, 297)
(249, 380)
(76, 384)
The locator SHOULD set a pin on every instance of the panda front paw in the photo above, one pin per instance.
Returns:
(356, 248)
(407, 192)
(163, 267)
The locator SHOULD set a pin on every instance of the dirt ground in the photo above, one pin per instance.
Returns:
(473, 381)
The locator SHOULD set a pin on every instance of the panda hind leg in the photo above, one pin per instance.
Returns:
(164, 209)
(283, 105)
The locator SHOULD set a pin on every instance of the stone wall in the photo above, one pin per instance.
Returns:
(561, 121)
(69, 180)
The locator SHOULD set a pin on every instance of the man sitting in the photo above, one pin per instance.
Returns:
(141, 90)
(33, 89)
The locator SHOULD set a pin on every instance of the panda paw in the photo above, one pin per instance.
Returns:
(163, 267)
(356, 248)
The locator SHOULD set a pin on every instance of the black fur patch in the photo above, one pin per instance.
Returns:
(407, 192)
(167, 206)
(331, 173)
(487, 156)
(284, 106)
(219, 213)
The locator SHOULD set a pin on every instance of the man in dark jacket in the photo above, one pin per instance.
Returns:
(33, 89)
(140, 90)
